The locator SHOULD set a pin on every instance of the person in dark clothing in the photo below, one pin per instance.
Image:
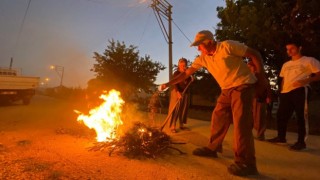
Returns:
(179, 93)
(259, 109)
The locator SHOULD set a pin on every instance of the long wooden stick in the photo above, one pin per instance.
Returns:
(178, 102)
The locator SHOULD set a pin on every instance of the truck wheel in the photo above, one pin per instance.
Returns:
(26, 101)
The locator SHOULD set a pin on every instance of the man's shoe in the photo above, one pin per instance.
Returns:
(239, 169)
(298, 146)
(205, 152)
(277, 140)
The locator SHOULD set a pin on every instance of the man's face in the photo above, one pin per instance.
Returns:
(293, 50)
(204, 47)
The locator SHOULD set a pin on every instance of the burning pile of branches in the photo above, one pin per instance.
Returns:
(139, 141)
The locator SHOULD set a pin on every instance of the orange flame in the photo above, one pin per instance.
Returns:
(105, 119)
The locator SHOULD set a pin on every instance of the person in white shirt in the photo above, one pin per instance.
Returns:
(224, 60)
(297, 74)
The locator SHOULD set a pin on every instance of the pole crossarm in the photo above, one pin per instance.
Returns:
(162, 6)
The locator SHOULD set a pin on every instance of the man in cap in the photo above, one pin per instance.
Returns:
(224, 60)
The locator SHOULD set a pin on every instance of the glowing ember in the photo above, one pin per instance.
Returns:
(105, 119)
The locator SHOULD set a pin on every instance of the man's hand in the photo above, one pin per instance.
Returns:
(179, 95)
(301, 83)
(162, 87)
(192, 79)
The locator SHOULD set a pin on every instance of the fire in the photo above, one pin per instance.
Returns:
(105, 119)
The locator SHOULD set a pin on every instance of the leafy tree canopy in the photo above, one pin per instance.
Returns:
(121, 68)
(265, 25)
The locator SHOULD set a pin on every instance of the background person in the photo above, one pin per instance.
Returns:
(296, 76)
(259, 109)
(180, 110)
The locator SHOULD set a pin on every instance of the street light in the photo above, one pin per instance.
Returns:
(59, 70)
(46, 81)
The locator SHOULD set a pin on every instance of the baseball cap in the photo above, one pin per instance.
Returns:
(202, 36)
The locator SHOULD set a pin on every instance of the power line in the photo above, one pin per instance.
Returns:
(21, 28)
(145, 27)
(181, 31)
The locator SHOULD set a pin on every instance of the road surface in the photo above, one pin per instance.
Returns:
(44, 141)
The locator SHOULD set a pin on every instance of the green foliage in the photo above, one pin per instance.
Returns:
(205, 85)
(265, 25)
(121, 68)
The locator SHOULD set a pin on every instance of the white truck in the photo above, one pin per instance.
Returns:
(14, 87)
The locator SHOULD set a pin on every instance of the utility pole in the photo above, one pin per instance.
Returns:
(11, 61)
(59, 70)
(162, 9)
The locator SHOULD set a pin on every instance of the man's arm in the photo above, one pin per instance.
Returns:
(257, 61)
(179, 78)
(315, 77)
(310, 79)
(281, 86)
(262, 83)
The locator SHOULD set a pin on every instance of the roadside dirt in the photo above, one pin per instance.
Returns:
(44, 141)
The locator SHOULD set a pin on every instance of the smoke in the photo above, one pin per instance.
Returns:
(143, 1)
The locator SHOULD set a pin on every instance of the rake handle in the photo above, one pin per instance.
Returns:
(178, 101)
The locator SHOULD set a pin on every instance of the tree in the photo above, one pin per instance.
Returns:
(265, 25)
(205, 85)
(121, 68)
